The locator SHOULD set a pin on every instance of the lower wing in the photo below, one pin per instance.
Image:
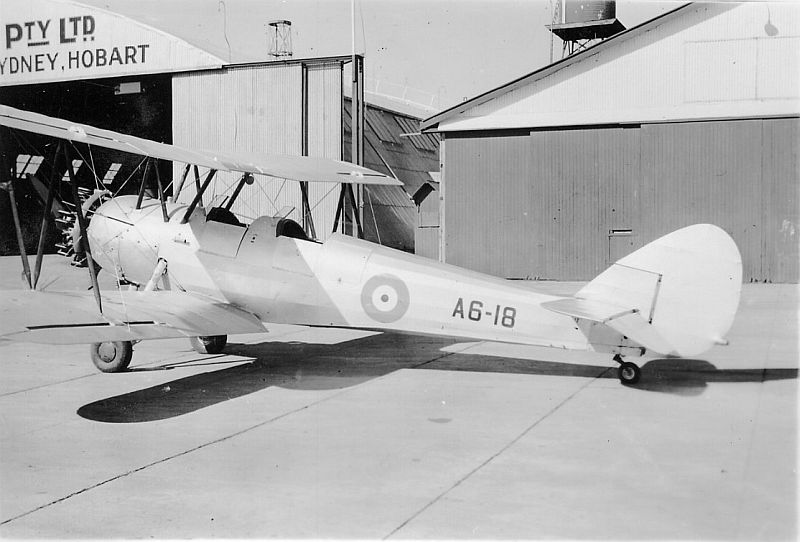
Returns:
(73, 317)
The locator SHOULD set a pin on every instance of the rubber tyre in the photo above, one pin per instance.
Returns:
(209, 345)
(112, 357)
(629, 373)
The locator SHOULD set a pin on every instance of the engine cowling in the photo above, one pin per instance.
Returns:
(125, 240)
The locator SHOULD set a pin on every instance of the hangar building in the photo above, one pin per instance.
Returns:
(690, 117)
(70, 60)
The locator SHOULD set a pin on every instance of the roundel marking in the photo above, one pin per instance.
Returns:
(385, 298)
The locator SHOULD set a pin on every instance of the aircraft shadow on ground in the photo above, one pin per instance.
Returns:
(287, 365)
(670, 375)
(692, 376)
(308, 367)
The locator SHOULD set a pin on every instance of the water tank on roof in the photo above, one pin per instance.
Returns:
(577, 11)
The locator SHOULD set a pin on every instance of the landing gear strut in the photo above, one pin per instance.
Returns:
(629, 373)
(209, 345)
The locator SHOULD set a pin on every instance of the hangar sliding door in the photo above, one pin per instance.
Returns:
(563, 204)
(704, 172)
(541, 204)
(780, 170)
(586, 184)
(489, 215)
(741, 175)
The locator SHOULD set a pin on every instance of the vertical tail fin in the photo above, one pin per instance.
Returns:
(684, 288)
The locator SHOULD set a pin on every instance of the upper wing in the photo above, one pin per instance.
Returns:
(82, 133)
(303, 168)
(73, 318)
(298, 168)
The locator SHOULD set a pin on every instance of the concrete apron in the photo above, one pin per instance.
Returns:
(305, 433)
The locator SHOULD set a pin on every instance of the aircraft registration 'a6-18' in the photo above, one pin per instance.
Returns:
(203, 274)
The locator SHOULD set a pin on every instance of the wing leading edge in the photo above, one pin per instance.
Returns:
(72, 317)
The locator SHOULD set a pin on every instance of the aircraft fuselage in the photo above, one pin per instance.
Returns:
(341, 282)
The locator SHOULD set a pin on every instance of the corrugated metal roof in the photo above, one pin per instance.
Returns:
(431, 123)
(425, 142)
(389, 213)
(381, 128)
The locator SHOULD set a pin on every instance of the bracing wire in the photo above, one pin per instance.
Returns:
(328, 193)
(374, 220)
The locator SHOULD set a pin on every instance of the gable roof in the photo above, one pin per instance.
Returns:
(430, 124)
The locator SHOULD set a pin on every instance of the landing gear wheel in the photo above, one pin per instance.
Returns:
(112, 357)
(209, 345)
(629, 373)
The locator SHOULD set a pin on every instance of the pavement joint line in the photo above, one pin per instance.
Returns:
(174, 456)
(199, 447)
(418, 365)
(88, 375)
(496, 454)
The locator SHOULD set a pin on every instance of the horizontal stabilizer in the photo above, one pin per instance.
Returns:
(596, 311)
(628, 322)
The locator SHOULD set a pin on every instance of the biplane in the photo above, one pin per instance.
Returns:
(200, 272)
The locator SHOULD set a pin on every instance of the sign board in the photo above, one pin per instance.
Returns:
(45, 41)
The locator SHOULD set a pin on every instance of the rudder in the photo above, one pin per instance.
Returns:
(683, 288)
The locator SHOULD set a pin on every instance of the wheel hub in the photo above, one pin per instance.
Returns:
(107, 352)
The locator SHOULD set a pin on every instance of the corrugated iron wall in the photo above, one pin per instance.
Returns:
(780, 170)
(705, 172)
(324, 90)
(584, 184)
(260, 109)
(563, 204)
(490, 212)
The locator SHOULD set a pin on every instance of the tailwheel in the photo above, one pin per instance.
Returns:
(629, 373)
(209, 345)
(112, 356)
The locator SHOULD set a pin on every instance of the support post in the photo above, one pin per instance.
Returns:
(197, 186)
(357, 215)
(142, 186)
(177, 191)
(358, 205)
(199, 196)
(26, 268)
(247, 178)
(43, 234)
(161, 197)
(339, 209)
(43, 231)
(8, 185)
(308, 219)
(83, 241)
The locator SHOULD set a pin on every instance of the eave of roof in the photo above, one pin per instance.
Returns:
(431, 123)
